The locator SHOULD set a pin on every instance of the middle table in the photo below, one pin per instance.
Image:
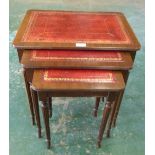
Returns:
(71, 59)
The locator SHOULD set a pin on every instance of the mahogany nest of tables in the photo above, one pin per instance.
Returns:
(51, 39)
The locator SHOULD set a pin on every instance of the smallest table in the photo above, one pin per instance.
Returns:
(75, 83)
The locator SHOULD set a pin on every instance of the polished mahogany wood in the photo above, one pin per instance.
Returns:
(50, 29)
(116, 105)
(46, 121)
(112, 114)
(27, 86)
(96, 106)
(36, 109)
(76, 59)
(50, 106)
(119, 99)
(105, 116)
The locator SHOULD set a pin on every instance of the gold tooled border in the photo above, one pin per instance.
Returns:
(34, 57)
(35, 13)
(95, 80)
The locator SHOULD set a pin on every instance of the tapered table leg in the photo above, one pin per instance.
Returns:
(45, 112)
(36, 109)
(96, 106)
(119, 100)
(106, 112)
(112, 116)
(118, 103)
(27, 86)
(50, 106)
(105, 116)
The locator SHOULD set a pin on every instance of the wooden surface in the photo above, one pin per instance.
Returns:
(79, 80)
(75, 30)
(76, 59)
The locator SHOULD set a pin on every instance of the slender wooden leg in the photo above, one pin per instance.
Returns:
(119, 100)
(46, 122)
(96, 106)
(27, 86)
(36, 109)
(105, 117)
(112, 116)
(50, 106)
(118, 103)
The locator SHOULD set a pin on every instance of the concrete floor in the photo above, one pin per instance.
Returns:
(73, 129)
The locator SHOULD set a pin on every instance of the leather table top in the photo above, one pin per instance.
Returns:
(66, 29)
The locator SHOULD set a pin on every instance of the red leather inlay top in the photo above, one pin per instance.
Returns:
(72, 27)
(98, 76)
(75, 55)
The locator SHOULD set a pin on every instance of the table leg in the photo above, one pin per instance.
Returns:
(96, 106)
(118, 103)
(50, 106)
(45, 112)
(105, 117)
(36, 109)
(119, 100)
(112, 116)
(27, 86)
